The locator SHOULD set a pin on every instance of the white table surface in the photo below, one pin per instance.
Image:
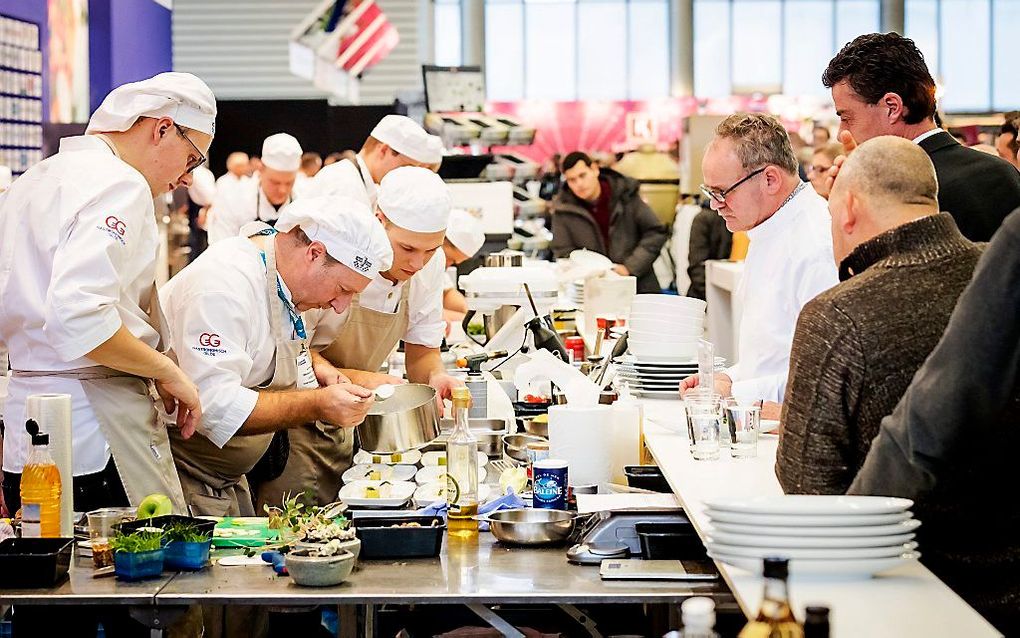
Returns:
(907, 601)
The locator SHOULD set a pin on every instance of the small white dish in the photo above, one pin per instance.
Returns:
(411, 457)
(429, 493)
(391, 494)
(812, 553)
(812, 505)
(820, 520)
(379, 472)
(431, 459)
(437, 474)
(862, 568)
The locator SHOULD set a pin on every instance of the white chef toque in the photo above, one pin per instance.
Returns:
(281, 152)
(416, 199)
(406, 137)
(465, 232)
(182, 97)
(346, 227)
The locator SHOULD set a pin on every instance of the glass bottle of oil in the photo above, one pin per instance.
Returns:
(40, 488)
(775, 617)
(462, 470)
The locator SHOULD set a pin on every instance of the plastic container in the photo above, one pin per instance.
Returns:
(187, 556)
(646, 477)
(34, 562)
(669, 541)
(138, 566)
(380, 539)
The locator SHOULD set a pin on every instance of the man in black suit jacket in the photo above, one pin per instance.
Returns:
(881, 86)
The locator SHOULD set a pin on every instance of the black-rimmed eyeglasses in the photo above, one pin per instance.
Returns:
(720, 196)
(192, 165)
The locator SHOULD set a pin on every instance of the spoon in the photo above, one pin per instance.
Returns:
(384, 391)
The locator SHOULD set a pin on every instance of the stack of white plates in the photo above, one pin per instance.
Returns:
(575, 291)
(665, 327)
(836, 535)
(657, 377)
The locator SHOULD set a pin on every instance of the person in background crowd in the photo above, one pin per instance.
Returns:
(710, 239)
(881, 86)
(254, 166)
(464, 238)
(820, 136)
(821, 161)
(951, 441)
(551, 178)
(751, 181)
(332, 158)
(311, 163)
(201, 194)
(1008, 142)
(261, 198)
(238, 171)
(852, 359)
(602, 210)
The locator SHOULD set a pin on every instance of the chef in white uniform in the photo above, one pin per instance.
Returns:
(78, 247)
(259, 198)
(236, 319)
(395, 141)
(464, 238)
(403, 302)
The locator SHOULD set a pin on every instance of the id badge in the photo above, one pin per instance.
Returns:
(305, 372)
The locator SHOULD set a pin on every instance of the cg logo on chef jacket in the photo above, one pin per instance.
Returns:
(115, 228)
(209, 344)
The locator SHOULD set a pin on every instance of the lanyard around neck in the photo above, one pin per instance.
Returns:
(295, 316)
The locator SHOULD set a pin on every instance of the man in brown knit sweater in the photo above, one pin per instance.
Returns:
(902, 266)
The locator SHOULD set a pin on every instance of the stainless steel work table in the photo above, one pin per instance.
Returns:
(80, 588)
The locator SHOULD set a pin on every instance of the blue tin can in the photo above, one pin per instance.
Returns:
(550, 484)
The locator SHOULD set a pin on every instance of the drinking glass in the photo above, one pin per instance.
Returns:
(744, 424)
(704, 418)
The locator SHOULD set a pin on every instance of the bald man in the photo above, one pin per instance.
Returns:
(238, 170)
(902, 266)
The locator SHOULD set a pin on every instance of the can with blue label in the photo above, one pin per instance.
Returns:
(550, 484)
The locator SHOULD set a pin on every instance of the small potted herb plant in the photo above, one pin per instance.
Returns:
(321, 566)
(138, 555)
(187, 547)
(320, 531)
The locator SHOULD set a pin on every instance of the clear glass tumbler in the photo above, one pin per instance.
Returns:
(744, 421)
(704, 419)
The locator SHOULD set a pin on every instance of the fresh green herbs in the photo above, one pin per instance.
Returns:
(185, 533)
(143, 540)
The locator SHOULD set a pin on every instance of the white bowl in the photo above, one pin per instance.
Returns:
(655, 350)
(666, 327)
(670, 305)
(664, 338)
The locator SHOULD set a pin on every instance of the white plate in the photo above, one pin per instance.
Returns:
(658, 384)
(672, 374)
(431, 459)
(437, 473)
(905, 527)
(821, 521)
(802, 566)
(386, 472)
(629, 359)
(429, 493)
(816, 554)
(410, 457)
(398, 493)
(769, 426)
(811, 505)
(838, 542)
(658, 393)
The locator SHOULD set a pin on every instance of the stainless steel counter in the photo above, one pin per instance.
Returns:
(80, 588)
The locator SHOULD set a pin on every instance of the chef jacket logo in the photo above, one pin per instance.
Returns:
(209, 344)
(362, 263)
(115, 228)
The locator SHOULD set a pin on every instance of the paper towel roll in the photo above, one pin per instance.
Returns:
(53, 414)
(583, 437)
(626, 438)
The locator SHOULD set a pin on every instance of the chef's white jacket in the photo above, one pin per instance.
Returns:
(343, 178)
(78, 245)
(237, 206)
(789, 261)
(218, 316)
(228, 181)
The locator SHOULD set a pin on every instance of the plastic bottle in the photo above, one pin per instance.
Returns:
(40, 489)
(462, 470)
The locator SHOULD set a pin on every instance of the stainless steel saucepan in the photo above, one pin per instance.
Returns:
(530, 526)
(405, 421)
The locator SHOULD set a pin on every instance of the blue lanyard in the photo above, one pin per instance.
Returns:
(295, 317)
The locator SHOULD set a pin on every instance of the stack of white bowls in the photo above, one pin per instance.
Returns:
(836, 535)
(665, 327)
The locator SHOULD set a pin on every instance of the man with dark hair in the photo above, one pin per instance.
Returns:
(601, 210)
(881, 86)
(1008, 141)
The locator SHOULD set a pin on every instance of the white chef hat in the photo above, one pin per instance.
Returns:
(465, 231)
(416, 199)
(406, 137)
(180, 96)
(203, 186)
(346, 227)
(281, 152)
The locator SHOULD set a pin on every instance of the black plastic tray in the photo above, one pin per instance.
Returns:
(646, 477)
(204, 526)
(379, 539)
(669, 541)
(34, 562)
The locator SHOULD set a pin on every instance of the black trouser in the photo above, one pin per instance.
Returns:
(91, 491)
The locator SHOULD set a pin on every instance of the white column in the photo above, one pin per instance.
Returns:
(893, 16)
(682, 40)
(472, 25)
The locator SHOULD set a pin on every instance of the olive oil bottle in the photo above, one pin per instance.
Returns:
(775, 617)
(462, 471)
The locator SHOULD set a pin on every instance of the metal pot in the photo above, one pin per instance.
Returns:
(531, 526)
(406, 421)
(515, 446)
(535, 428)
(504, 258)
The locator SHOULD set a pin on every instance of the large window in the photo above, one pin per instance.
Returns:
(746, 46)
(448, 51)
(577, 49)
(970, 47)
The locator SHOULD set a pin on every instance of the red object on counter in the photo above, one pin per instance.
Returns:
(575, 345)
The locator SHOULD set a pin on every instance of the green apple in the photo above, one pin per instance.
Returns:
(155, 505)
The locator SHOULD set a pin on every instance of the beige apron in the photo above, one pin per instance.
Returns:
(318, 457)
(125, 410)
(214, 478)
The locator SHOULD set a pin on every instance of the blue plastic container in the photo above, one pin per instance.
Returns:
(138, 566)
(186, 556)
